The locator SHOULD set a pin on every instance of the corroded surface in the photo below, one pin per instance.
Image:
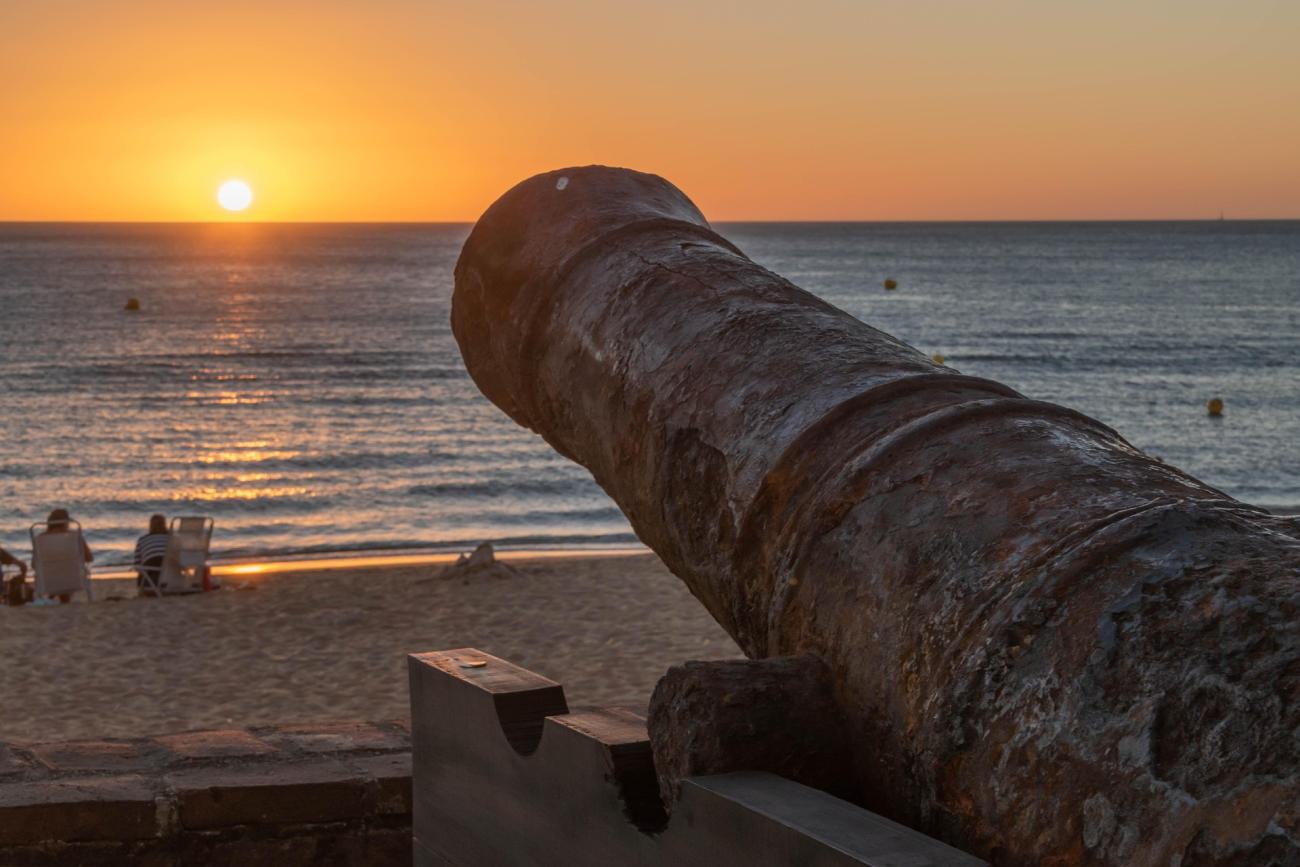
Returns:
(1051, 648)
(777, 715)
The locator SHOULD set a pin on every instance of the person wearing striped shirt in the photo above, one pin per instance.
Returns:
(150, 546)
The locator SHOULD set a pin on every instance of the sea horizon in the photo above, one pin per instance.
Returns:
(246, 221)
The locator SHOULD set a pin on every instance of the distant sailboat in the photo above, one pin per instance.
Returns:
(1220, 216)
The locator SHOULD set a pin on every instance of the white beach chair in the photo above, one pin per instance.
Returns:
(151, 575)
(59, 561)
(187, 555)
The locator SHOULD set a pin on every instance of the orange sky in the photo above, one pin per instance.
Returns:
(820, 109)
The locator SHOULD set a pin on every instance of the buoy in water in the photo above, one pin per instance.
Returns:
(891, 283)
(1214, 407)
(132, 304)
(937, 358)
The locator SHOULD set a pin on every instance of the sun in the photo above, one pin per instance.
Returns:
(235, 195)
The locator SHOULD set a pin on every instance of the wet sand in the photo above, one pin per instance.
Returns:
(314, 646)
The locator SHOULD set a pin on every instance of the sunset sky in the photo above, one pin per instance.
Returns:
(820, 109)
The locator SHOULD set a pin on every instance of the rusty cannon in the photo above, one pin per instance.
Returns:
(1048, 648)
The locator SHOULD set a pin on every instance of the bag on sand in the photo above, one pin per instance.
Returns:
(16, 591)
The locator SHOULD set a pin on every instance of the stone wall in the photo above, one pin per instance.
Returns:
(333, 793)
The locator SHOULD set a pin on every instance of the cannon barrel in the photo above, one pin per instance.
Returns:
(1049, 648)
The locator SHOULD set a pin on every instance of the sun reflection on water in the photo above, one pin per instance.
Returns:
(212, 492)
(246, 456)
(230, 398)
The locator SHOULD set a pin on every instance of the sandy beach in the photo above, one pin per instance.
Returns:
(308, 646)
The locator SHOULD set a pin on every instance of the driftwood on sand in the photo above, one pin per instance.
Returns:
(1049, 647)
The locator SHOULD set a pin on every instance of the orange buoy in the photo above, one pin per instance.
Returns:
(1214, 407)
(891, 283)
(937, 358)
(132, 304)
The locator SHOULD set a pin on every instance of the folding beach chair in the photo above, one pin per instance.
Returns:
(59, 561)
(187, 555)
(151, 575)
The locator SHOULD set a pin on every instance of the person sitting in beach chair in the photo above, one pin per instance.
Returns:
(60, 557)
(150, 552)
(16, 586)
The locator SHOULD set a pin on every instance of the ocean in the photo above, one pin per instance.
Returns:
(300, 384)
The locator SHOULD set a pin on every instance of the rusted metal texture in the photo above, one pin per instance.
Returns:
(777, 715)
(1051, 648)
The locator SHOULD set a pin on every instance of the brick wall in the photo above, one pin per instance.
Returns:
(333, 793)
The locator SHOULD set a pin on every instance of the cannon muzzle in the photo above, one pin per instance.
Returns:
(1049, 647)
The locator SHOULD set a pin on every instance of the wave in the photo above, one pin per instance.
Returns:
(506, 487)
(542, 517)
(503, 541)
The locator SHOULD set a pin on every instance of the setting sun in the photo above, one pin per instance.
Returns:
(235, 195)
